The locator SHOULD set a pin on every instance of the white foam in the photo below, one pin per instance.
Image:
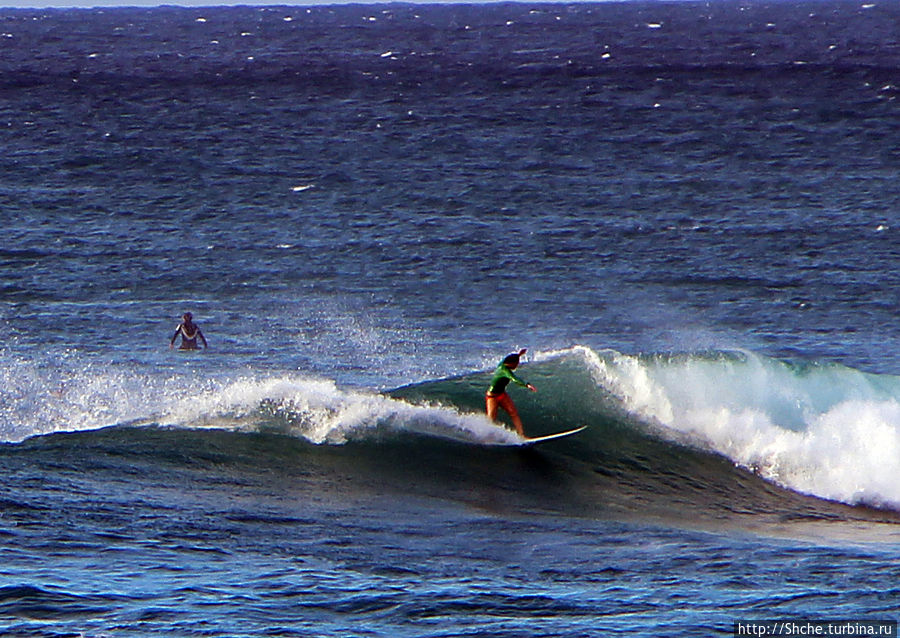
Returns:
(319, 411)
(39, 399)
(828, 431)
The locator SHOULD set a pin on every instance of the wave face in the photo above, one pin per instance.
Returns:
(721, 435)
(821, 430)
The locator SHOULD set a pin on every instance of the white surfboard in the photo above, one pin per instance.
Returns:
(540, 439)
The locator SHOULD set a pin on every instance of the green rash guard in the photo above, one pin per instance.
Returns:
(502, 376)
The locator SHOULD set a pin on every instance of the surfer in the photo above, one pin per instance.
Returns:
(496, 395)
(189, 332)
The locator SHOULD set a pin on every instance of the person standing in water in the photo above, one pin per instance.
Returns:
(189, 332)
(496, 395)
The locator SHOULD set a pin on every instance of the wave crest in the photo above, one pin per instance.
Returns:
(824, 430)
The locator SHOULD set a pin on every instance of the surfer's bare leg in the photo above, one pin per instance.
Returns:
(517, 422)
(492, 402)
(507, 404)
(491, 405)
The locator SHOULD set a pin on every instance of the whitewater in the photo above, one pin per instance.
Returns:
(825, 430)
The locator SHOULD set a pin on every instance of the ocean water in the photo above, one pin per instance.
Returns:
(687, 212)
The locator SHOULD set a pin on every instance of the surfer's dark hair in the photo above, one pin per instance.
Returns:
(511, 359)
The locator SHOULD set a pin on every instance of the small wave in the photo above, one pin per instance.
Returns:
(28, 601)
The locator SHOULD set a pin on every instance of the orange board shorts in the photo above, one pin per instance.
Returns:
(492, 401)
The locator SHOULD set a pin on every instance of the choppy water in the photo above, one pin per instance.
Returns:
(687, 212)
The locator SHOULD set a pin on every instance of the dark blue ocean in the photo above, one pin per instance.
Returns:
(687, 212)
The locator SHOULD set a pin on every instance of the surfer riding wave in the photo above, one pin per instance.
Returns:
(496, 396)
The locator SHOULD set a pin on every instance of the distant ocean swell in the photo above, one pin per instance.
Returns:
(685, 427)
